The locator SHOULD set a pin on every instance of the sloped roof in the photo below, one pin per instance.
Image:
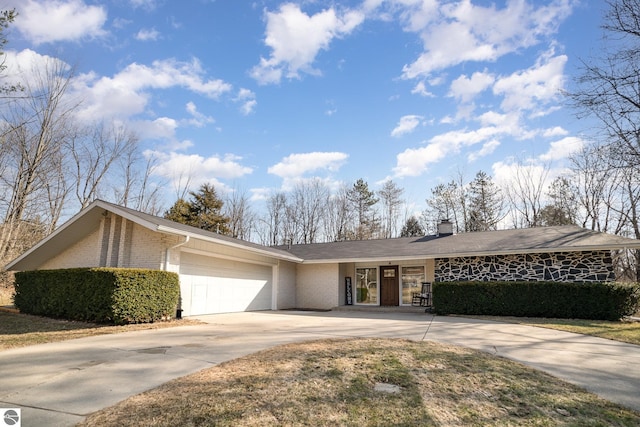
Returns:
(527, 240)
(89, 218)
(501, 242)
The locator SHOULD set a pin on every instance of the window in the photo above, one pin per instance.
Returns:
(367, 285)
(412, 278)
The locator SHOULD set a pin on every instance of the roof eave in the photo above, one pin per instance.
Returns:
(471, 254)
(175, 231)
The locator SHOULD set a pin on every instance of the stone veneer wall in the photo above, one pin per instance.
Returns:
(591, 266)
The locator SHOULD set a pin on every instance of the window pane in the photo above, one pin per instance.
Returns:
(412, 278)
(366, 286)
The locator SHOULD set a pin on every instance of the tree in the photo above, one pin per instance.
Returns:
(310, 199)
(34, 131)
(241, 217)
(525, 193)
(485, 204)
(6, 18)
(391, 198)
(203, 210)
(339, 216)
(609, 91)
(449, 201)
(363, 200)
(412, 228)
(563, 206)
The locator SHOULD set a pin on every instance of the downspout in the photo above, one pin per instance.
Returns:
(169, 249)
(166, 268)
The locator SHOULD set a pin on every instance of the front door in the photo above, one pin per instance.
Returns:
(389, 286)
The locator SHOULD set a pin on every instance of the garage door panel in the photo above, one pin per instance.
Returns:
(213, 285)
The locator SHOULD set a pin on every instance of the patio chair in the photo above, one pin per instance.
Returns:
(422, 298)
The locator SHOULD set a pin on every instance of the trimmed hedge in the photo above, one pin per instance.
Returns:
(102, 295)
(596, 301)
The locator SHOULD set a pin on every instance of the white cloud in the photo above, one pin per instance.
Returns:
(128, 92)
(28, 67)
(461, 31)
(555, 131)
(247, 100)
(465, 89)
(532, 88)
(52, 21)
(295, 39)
(197, 118)
(487, 148)
(421, 89)
(145, 4)
(407, 124)
(195, 169)
(147, 34)
(296, 165)
(563, 148)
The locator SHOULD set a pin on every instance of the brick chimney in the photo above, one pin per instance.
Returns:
(445, 228)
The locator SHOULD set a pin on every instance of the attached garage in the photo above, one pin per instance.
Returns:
(215, 285)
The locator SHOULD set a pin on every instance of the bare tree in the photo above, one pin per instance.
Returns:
(94, 158)
(391, 199)
(275, 219)
(525, 194)
(339, 216)
(238, 209)
(448, 201)
(309, 199)
(35, 127)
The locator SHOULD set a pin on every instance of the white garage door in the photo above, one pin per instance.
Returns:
(213, 285)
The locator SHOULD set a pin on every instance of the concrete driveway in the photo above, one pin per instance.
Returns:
(58, 384)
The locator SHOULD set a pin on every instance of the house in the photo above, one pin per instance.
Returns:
(221, 274)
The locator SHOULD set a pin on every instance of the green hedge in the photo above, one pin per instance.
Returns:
(102, 295)
(604, 301)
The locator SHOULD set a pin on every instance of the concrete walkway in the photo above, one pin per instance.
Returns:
(58, 384)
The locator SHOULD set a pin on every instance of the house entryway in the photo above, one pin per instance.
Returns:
(389, 286)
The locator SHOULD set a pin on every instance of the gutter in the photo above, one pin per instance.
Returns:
(169, 249)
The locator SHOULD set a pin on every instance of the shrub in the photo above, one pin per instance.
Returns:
(103, 295)
(604, 301)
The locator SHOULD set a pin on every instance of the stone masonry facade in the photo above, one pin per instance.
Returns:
(590, 266)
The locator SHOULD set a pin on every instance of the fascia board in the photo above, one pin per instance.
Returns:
(169, 230)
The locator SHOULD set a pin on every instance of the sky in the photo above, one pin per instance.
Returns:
(257, 96)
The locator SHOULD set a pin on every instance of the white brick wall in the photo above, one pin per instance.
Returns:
(286, 285)
(85, 253)
(317, 285)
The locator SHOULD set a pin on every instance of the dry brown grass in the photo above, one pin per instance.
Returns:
(20, 330)
(332, 383)
(624, 330)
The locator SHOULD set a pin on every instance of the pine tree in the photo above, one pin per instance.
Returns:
(485, 204)
(202, 210)
(362, 200)
(412, 228)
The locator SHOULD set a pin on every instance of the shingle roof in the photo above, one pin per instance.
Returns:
(526, 240)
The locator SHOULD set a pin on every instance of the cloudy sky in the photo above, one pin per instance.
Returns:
(258, 95)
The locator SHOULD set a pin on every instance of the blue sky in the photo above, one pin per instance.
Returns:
(260, 95)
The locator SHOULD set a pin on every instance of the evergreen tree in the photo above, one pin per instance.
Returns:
(485, 204)
(412, 228)
(202, 210)
(362, 200)
(563, 206)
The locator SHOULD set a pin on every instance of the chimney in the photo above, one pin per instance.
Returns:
(445, 228)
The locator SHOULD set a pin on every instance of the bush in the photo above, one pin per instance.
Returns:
(602, 301)
(103, 295)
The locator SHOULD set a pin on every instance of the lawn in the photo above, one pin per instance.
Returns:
(625, 330)
(367, 382)
(20, 330)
